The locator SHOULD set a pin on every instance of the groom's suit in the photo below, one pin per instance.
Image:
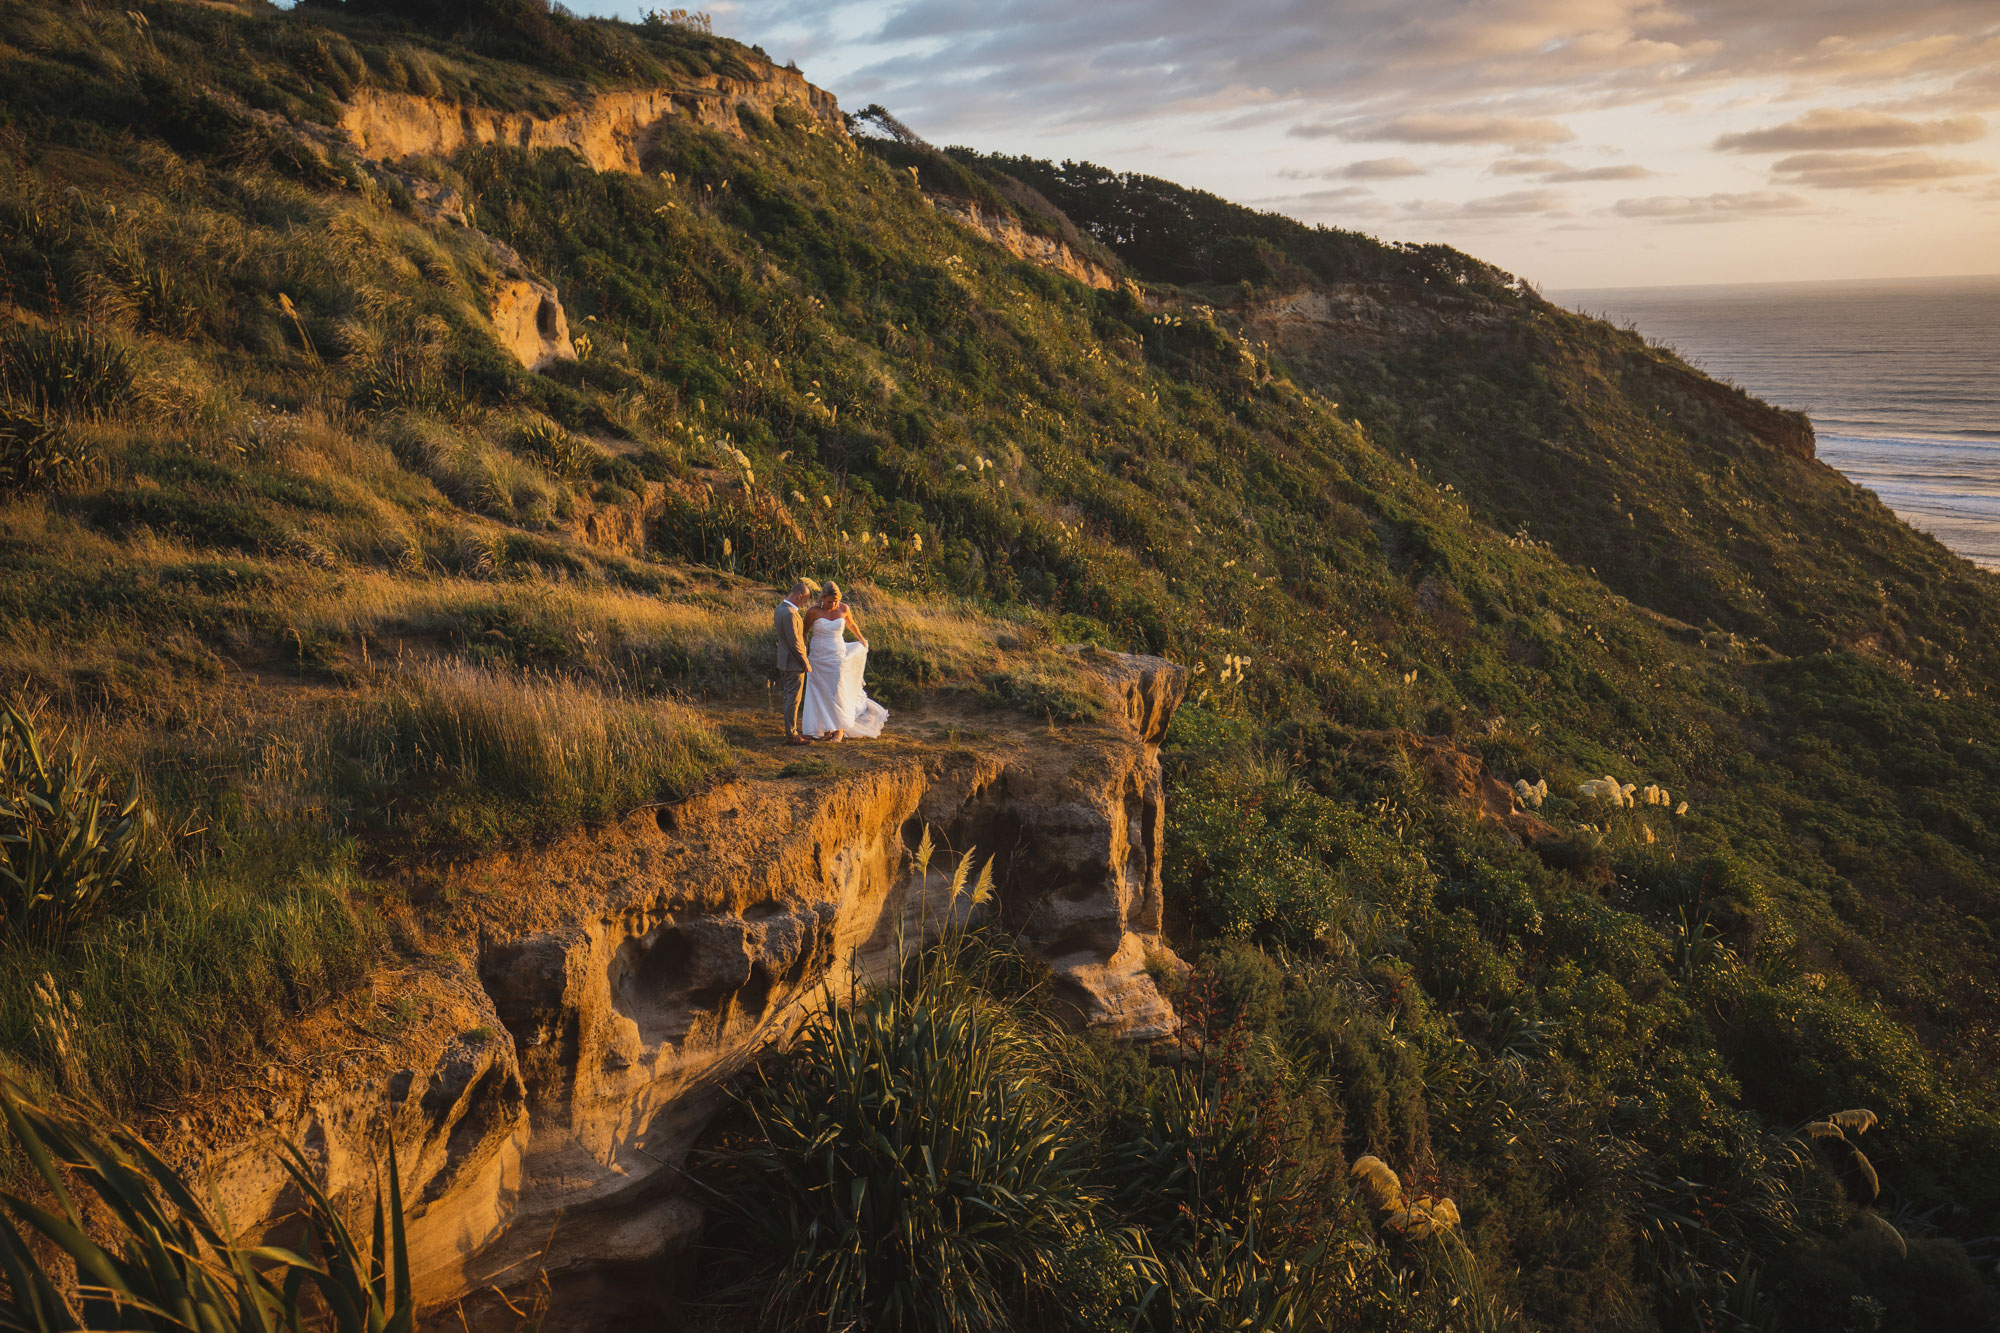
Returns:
(788, 623)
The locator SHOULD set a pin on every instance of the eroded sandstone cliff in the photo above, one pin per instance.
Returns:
(609, 130)
(545, 1059)
(1007, 232)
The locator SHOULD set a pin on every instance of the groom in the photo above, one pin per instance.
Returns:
(788, 623)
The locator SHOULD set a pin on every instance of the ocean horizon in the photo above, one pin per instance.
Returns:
(1898, 375)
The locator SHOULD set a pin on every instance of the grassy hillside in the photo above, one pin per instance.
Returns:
(288, 533)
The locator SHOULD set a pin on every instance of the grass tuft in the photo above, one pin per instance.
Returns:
(147, 1252)
(39, 454)
(563, 453)
(66, 371)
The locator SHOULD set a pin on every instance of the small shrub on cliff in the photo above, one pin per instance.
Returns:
(65, 843)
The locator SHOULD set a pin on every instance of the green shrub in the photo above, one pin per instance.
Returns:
(38, 454)
(65, 845)
(66, 371)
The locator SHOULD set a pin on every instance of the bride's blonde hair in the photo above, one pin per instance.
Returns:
(830, 589)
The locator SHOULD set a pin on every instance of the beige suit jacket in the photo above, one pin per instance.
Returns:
(788, 624)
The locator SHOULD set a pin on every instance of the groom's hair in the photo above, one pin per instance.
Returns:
(806, 586)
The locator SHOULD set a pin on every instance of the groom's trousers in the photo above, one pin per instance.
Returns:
(792, 698)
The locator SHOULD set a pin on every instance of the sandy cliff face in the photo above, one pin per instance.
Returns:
(609, 130)
(1358, 310)
(1007, 233)
(559, 1050)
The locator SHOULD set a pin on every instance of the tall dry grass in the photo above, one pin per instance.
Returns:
(512, 753)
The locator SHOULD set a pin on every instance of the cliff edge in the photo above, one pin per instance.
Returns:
(563, 1037)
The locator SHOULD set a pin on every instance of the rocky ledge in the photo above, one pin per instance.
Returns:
(543, 1060)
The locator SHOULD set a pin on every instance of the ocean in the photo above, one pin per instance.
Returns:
(1901, 379)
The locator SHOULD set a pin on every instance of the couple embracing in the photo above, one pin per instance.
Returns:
(820, 672)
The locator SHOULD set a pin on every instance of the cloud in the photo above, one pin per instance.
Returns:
(1336, 195)
(1527, 166)
(1709, 207)
(1871, 171)
(1437, 127)
(1368, 169)
(1346, 202)
(952, 66)
(1833, 128)
(1512, 204)
(1379, 168)
(1628, 172)
(1561, 173)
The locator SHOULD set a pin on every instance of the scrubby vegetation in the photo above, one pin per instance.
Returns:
(290, 538)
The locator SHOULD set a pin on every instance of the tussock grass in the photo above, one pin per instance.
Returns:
(39, 454)
(65, 843)
(470, 471)
(560, 451)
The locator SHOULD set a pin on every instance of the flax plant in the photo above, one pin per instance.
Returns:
(65, 846)
(906, 1160)
(152, 1255)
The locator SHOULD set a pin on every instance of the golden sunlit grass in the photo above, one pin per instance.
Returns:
(514, 753)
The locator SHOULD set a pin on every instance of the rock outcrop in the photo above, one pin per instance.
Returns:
(1359, 310)
(529, 321)
(558, 1048)
(609, 130)
(1006, 231)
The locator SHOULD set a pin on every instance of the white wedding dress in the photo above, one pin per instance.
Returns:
(835, 697)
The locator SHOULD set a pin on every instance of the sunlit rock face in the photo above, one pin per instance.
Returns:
(530, 322)
(609, 130)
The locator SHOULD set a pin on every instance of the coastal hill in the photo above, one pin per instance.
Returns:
(1481, 828)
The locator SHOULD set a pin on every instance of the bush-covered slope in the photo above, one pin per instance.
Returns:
(280, 506)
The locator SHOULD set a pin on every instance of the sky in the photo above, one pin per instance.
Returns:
(1577, 143)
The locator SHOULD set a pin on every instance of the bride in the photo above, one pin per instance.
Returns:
(836, 704)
